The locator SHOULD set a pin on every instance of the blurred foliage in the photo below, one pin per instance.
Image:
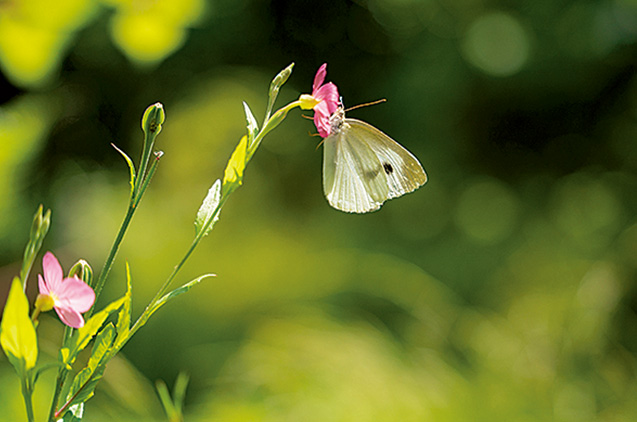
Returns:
(504, 289)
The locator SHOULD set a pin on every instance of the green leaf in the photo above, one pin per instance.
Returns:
(178, 291)
(208, 209)
(233, 175)
(131, 167)
(253, 126)
(124, 317)
(166, 401)
(179, 391)
(84, 383)
(74, 414)
(17, 333)
(173, 407)
(83, 387)
(102, 344)
(83, 335)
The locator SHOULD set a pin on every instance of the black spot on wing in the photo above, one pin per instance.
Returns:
(388, 168)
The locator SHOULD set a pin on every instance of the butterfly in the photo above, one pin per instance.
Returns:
(363, 167)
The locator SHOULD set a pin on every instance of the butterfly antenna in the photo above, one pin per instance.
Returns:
(382, 100)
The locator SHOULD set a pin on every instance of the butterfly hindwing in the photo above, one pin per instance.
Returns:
(353, 177)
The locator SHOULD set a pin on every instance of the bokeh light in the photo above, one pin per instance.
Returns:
(486, 211)
(497, 44)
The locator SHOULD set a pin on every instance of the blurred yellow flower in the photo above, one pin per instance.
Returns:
(149, 31)
(33, 37)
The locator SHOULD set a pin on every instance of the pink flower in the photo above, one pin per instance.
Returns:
(68, 296)
(327, 95)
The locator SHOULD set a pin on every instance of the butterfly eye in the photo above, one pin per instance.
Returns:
(388, 168)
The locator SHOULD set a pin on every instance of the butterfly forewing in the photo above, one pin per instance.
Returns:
(403, 171)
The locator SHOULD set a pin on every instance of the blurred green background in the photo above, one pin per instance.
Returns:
(503, 290)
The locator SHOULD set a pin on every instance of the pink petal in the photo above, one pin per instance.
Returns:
(44, 289)
(52, 270)
(76, 294)
(329, 94)
(322, 119)
(319, 78)
(70, 317)
(328, 91)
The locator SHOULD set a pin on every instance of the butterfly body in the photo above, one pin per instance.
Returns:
(363, 167)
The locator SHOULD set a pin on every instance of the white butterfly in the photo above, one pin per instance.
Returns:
(363, 167)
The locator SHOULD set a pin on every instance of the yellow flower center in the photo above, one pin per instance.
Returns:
(45, 302)
(307, 102)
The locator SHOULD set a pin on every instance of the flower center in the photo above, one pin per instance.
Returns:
(46, 302)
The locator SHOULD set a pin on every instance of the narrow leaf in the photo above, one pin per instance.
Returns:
(208, 208)
(233, 175)
(124, 317)
(164, 398)
(253, 126)
(178, 291)
(103, 342)
(131, 167)
(179, 391)
(17, 333)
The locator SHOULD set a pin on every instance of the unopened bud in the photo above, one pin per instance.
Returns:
(154, 117)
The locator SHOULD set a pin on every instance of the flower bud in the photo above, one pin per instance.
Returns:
(281, 78)
(46, 223)
(37, 222)
(153, 118)
(83, 271)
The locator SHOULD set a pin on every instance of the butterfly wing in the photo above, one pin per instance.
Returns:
(363, 167)
(353, 178)
(403, 172)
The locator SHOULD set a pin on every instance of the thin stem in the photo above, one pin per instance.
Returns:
(269, 125)
(111, 256)
(151, 172)
(26, 393)
(59, 382)
(149, 142)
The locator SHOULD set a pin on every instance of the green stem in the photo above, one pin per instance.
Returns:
(99, 284)
(26, 393)
(59, 382)
(269, 125)
(147, 179)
